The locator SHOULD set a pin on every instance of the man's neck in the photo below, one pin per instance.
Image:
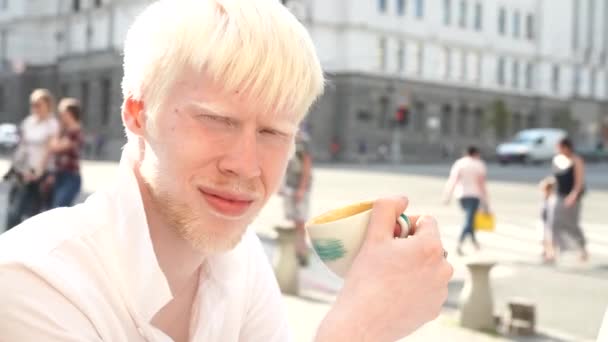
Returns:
(179, 261)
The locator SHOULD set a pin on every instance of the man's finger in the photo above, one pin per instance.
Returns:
(384, 215)
(425, 226)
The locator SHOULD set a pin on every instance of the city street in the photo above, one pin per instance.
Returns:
(570, 297)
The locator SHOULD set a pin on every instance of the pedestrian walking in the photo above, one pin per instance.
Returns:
(296, 193)
(468, 181)
(66, 149)
(213, 94)
(34, 158)
(565, 211)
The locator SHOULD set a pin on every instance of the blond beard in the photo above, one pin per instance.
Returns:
(190, 226)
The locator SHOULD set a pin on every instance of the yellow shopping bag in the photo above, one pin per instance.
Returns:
(484, 221)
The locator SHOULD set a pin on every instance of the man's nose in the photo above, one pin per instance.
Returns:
(241, 159)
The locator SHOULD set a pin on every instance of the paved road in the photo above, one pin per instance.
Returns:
(570, 297)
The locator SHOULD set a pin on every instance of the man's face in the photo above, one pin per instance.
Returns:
(212, 161)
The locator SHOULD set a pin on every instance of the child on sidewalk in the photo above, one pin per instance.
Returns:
(547, 185)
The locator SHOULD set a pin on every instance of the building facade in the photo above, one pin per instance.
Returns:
(467, 71)
(72, 47)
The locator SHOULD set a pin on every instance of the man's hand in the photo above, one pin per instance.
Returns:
(394, 285)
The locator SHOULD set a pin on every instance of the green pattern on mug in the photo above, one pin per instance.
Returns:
(329, 249)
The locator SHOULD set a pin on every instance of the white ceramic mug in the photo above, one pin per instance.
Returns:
(338, 234)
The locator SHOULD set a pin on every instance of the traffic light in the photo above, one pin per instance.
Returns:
(402, 116)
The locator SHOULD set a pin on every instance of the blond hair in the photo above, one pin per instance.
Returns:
(44, 95)
(254, 47)
(68, 102)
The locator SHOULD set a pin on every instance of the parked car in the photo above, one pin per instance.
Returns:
(530, 146)
(9, 136)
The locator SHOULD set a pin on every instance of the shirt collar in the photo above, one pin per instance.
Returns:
(145, 283)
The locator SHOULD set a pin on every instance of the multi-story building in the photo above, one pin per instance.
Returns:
(467, 71)
(72, 47)
(470, 71)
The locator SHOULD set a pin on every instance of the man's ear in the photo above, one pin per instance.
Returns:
(133, 116)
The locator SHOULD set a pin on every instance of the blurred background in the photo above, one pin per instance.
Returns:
(411, 84)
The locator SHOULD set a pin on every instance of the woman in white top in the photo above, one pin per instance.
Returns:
(33, 156)
(468, 180)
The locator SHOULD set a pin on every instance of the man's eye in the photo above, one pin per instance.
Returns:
(216, 119)
(272, 132)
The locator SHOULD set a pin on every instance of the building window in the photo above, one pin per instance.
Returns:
(516, 24)
(414, 57)
(591, 23)
(502, 21)
(529, 75)
(106, 101)
(383, 117)
(515, 79)
(577, 80)
(420, 58)
(447, 12)
(64, 90)
(382, 6)
(382, 53)
(401, 56)
(401, 7)
(448, 63)
(500, 71)
(419, 9)
(478, 16)
(479, 67)
(533, 120)
(84, 99)
(76, 5)
(446, 117)
(575, 24)
(4, 4)
(530, 32)
(463, 13)
(98, 3)
(592, 83)
(462, 120)
(555, 79)
(517, 122)
(419, 117)
(477, 120)
(2, 99)
(464, 70)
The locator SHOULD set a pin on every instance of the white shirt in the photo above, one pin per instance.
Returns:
(89, 273)
(35, 136)
(466, 172)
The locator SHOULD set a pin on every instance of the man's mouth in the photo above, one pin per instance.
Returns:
(227, 203)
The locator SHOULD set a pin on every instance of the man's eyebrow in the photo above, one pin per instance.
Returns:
(207, 108)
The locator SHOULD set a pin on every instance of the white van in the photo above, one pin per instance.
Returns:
(530, 145)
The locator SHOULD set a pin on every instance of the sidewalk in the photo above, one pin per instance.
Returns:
(305, 314)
